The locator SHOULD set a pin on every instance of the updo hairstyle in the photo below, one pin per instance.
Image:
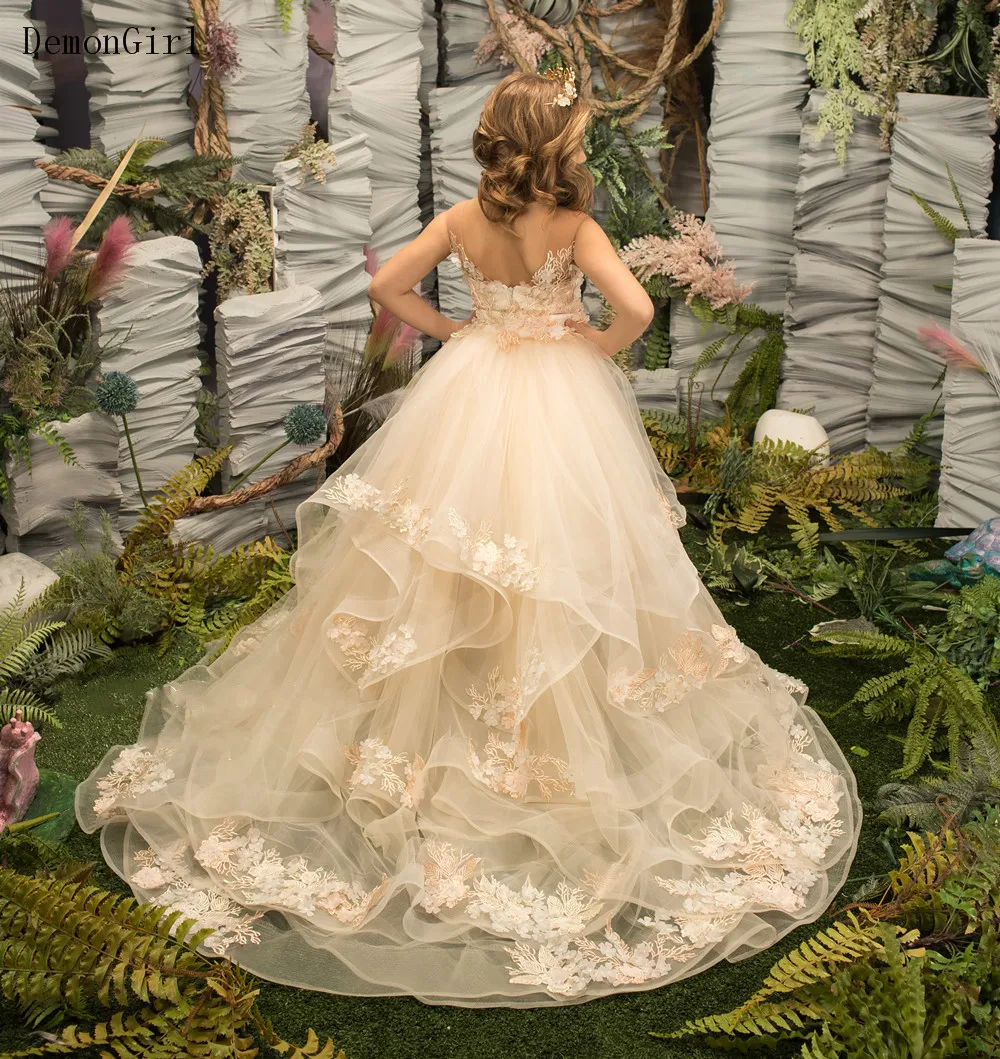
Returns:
(525, 143)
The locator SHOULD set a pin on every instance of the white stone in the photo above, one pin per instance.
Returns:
(778, 425)
(37, 578)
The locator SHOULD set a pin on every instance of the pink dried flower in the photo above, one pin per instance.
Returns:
(401, 342)
(389, 338)
(692, 258)
(221, 47)
(111, 259)
(529, 42)
(948, 347)
(381, 334)
(58, 236)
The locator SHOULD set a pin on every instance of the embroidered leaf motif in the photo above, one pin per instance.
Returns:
(507, 563)
(501, 704)
(361, 651)
(136, 770)
(446, 874)
(510, 768)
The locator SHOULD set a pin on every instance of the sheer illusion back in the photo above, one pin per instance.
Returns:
(538, 307)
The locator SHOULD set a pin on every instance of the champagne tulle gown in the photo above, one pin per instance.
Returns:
(498, 746)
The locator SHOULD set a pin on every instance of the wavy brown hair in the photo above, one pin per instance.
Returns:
(525, 143)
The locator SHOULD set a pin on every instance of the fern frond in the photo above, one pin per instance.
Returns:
(157, 519)
(32, 708)
(948, 229)
(312, 1049)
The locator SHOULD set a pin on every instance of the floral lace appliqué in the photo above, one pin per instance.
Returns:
(375, 657)
(511, 767)
(501, 704)
(136, 770)
(564, 960)
(774, 858)
(677, 517)
(263, 877)
(507, 563)
(679, 670)
(447, 871)
(394, 507)
(230, 922)
(374, 763)
(774, 862)
(537, 309)
(530, 913)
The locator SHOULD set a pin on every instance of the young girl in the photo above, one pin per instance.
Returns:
(498, 745)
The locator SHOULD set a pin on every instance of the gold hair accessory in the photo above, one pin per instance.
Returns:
(566, 79)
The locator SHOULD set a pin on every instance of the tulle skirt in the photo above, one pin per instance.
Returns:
(498, 745)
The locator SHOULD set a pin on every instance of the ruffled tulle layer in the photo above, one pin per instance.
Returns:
(498, 746)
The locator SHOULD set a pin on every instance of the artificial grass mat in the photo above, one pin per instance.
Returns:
(105, 709)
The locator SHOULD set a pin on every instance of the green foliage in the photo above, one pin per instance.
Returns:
(49, 356)
(835, 57)
(67, 946)
(313, 152)
(945, 226)
(161, 585)
(241, 243)
(658, 340)
(864, 52)
(912, 976)
(972, 783)
(15, 443)
(759, 479)
(33, 655)
(873, 576)
(964, 54)
(615, 158)
(286, 9)
(92, 595)
(867, 573)
(686, 445)
(180, 186)
(205, 594)
(944, 704)
(755, 389)
(734, 568)
(969, 637)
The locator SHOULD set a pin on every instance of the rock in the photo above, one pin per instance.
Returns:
(778, 425)
(37, 578)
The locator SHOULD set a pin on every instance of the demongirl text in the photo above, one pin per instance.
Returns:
(130, 41)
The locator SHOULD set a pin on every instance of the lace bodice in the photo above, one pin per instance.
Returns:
(536, 309)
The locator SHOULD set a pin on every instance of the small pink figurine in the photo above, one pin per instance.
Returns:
(18, 771)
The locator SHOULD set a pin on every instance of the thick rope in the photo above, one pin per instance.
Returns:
(570, 41)
(146, 190)
(211, 130)
(615, 9)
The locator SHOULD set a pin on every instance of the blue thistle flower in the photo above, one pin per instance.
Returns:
(117, 394)
(305, 424)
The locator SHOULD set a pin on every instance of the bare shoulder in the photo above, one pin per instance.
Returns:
(588, 231)
(577, 221)
(464, 208)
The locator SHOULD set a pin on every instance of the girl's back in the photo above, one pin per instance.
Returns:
(513, 258)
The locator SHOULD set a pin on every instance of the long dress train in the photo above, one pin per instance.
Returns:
(498, 745)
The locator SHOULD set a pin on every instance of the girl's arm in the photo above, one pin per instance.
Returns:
(393, 283)
(633, 308)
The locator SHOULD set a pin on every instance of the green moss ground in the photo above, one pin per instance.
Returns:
(105, 709)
